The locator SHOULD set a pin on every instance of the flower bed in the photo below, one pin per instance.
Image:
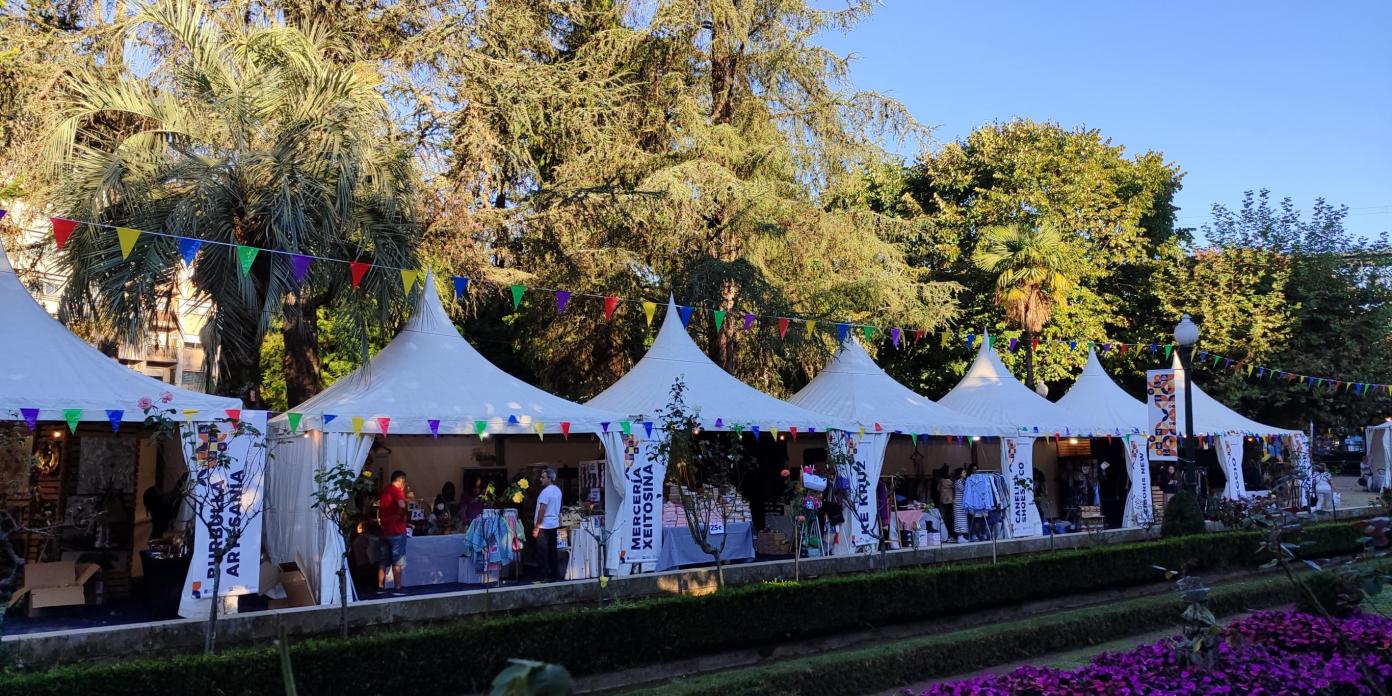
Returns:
(1269, 652)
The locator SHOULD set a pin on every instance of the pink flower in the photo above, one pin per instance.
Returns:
(145, 403)
(166, 397)
(785, 473)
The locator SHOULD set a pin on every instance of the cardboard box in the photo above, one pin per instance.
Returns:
(57, 584)
(296, 585)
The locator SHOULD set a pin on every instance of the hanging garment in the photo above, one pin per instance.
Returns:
(981, 495)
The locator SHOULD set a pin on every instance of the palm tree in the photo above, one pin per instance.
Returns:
(1030, 265)
(258, 135)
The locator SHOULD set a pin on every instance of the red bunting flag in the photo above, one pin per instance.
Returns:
(792, 430)
(782, 327)
(610, 304)
(358, 270)
(1034, 344)
(565, 429)
(918, 335)
(234, 414)
(1123, 352)
(383, 423)
(62, 230)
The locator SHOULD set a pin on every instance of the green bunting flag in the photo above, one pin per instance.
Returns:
(245, 255)
(517, 291)
(72, 416)
(480, 427)
(294, 419)
(1169, 348)
(719, 318)
(868, 332)
(626, 427)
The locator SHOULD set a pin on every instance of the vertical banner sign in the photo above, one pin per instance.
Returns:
(1017, 464)
(1161, 407)
(227, 473)
(1230, 457)
(641, 538)
(1139, 510)
(1300, 462)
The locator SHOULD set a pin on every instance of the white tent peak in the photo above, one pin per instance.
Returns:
(854, 388)
(1211, 416)
(51, 369)
(1095, 397)
(646, 389)
(429, 372)
(989, 392)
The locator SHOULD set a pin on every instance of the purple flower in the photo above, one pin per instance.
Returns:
(145, 403)
(166, 397)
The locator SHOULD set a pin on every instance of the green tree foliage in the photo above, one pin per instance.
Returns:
(254, 134)
(1297, 293)
(1182, 515)
(1115, 209)
(1032, 267)
(718, 169)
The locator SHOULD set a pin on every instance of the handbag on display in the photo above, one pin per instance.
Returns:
(813, 482)
(835, 514)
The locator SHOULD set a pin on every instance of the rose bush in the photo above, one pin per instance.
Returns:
(1266, 653)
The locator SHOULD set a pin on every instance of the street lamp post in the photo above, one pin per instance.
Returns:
(1186, 334)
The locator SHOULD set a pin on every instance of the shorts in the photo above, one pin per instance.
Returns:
(391, 551)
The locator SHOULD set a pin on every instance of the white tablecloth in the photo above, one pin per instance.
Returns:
(584, 555)
(433, 560)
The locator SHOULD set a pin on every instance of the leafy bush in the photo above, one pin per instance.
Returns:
(1182, 516)
(465, 654)
(1336, 592)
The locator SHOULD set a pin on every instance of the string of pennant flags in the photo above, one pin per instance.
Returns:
(189, 248)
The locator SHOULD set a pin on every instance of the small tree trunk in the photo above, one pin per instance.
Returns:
(1029, 359)
(343, 596)
(719, 573)
(210, 633)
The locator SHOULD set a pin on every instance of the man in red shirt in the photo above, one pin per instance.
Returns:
(391, 515)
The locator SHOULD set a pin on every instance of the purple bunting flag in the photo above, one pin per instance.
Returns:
(1013, 343)
(604, 426)
(894, 335)
(299, 265)
(562, 301)
(748, 321)
(434, 427)
(31, 417)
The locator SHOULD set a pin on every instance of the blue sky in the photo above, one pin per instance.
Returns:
(1291, 96)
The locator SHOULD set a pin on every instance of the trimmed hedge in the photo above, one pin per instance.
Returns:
(465, 655)
(884, 667)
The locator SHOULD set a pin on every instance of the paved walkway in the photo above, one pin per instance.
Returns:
(1352, 494)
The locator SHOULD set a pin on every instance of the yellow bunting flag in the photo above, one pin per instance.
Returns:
(357, 425)
(540, 429)
(648, 309)
(811, 326)
(408, 280)
(189, 413)
(774, 431)
(127, 237)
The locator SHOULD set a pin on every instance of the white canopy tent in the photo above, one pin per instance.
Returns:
(988, 391)
(1212, 418)
(51, 373)
(427, 381)
(1379, 456)
(722, 399)
(1096, 397)
(853, 388)
(50, 369)
(723, 403)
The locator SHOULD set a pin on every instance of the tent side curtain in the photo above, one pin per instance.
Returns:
(293, 526)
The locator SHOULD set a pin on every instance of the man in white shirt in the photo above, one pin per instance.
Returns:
(545, 524)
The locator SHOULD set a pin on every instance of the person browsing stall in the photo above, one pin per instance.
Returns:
(391, 514)
(545, 524)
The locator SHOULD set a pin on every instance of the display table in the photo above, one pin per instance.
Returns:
(433, 560)
(679, 548)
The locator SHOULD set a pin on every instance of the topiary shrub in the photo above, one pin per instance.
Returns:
(1337, 593)
(1182, 516)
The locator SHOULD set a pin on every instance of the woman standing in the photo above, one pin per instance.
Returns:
(959, 511)
(946, 496)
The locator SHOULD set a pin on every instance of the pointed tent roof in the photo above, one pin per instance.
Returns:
(854, 388)
(989, 392)
(429, 372)
(1211, 417)
(1095, 397)
(49, 368)
(718, 395)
